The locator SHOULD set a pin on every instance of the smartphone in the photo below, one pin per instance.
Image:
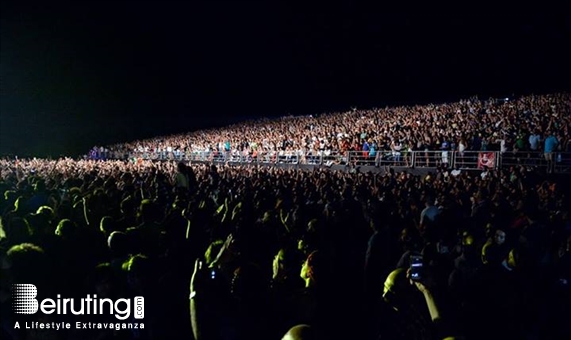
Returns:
(416, 267)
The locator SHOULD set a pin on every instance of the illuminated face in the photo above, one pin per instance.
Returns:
(388, 294)
(301, 246)
(277, 265)
(499, 237)
(304, 270)
(386, 288)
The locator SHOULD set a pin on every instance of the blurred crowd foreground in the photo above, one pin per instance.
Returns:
(248, 252)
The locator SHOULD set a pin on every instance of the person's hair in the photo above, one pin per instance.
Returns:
(150, 210)
(10, 195)
(66, 228)
(137, 264)
(397, 283)
(46, 212)
(103, 272)
(127, 204)
(17, 229)
(28, 262)
(118, 243)
(300, 332)
(316, 266)
(107, 225)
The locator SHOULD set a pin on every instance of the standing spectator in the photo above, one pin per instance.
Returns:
(549, 148)
(534, 140)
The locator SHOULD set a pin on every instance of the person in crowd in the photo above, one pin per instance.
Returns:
(550, 146)
(300, 332)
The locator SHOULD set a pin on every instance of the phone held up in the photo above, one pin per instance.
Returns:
(416, 267)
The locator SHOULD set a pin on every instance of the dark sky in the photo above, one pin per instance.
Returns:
(74, 75)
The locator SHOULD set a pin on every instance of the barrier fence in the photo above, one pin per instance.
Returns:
(558, 162)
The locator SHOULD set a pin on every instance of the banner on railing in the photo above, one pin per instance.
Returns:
(487, 159)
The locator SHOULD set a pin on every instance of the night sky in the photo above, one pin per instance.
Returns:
(75, 75)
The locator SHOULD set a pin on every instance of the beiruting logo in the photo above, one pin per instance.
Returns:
(25, 302)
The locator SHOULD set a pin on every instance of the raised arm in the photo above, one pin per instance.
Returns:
(196, 300)
(430, 301)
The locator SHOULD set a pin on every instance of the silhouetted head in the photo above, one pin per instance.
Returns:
(10, 196)
(313, 268)
(44, 213)
(40, 186)
(26, 262)
(127, 205)
(285, 261)
(104, 280)
(66, 228)
(107, 225)
(118, 243)
(139, 271)
(181, 167)
(397, 286)
(17, 229)
(248, 283)
(300, 332)
(150, 211)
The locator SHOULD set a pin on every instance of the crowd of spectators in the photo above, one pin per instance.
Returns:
(229, 251)
(508, 124)
(252, 252)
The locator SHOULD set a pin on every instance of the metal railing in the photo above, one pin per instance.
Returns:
(558, 162)
(467, 160)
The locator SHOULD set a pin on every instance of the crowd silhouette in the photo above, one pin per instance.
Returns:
(222, 251)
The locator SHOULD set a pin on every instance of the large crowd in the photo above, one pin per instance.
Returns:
(516, 124)
(223, 251)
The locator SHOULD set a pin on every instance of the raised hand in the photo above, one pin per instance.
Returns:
(199, 278)
(227, 253)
